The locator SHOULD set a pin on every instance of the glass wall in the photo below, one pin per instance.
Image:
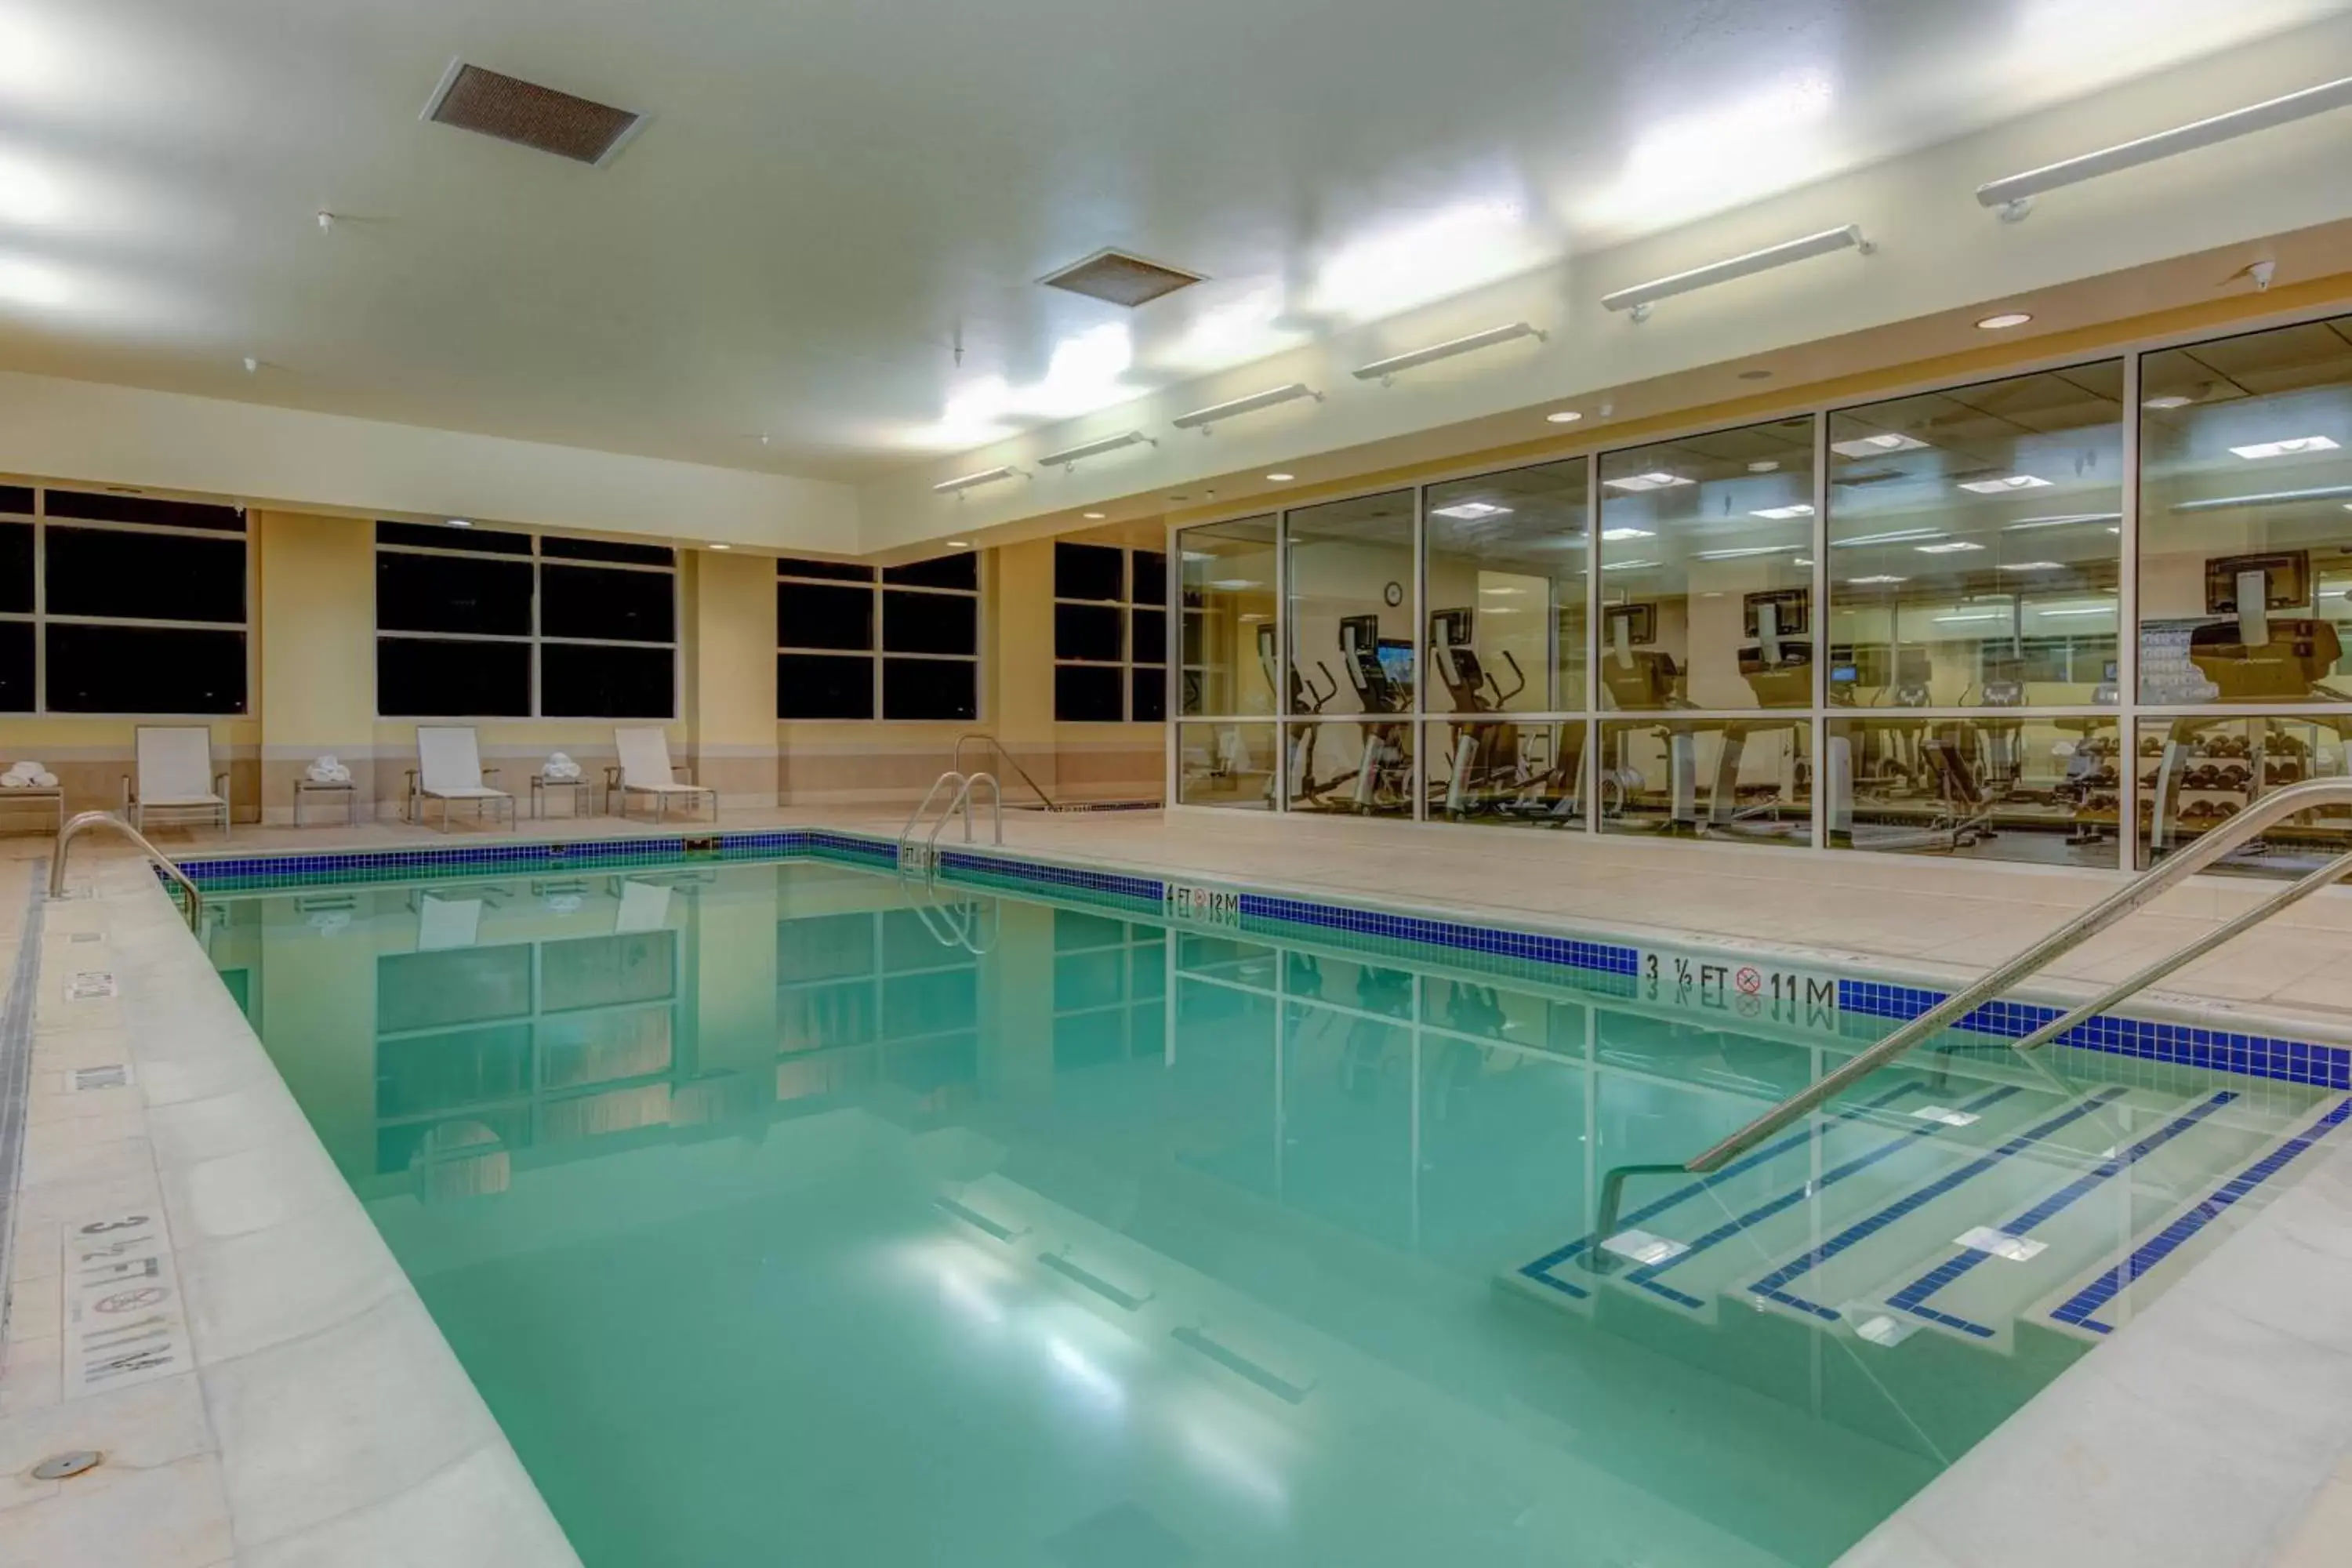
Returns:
(1707, 571)
(1228, 622)
(1351, 611)
(1893, 627)
(2245, 563)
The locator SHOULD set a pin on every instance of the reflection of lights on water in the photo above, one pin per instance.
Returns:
(968, 1297)
(1226, 1461)
(1087, 1374)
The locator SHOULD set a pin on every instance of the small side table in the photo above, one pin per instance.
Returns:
(53, 797)
(350, 792)
(541, 785)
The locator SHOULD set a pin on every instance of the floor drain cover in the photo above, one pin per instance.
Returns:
(64, 1467)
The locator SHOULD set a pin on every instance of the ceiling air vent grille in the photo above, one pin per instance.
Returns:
(1120, 278)
(512, 109)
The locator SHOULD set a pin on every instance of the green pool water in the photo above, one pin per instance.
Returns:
(784, 1213)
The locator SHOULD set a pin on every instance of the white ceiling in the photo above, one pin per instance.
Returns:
(829, 192)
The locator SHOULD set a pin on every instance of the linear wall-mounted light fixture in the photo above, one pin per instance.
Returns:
(2015, 196)
(1070, 457)
(986, 477)
(1643, 296)
(1382, 369)
(1201, 419)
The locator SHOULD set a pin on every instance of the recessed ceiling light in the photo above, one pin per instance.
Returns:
(1092, 516)
(2287, 448)
(1974, 616)
(2075, 610)
(1764, 466)
(1745, 551)
(2004, 485)
(723, 547)
(2029, 566)
(2170, 400)
(1651, 481)
(1875, 582)
(1625, 533)
(1949, 547)
(2005, 320)
(1874, 446)
(459, 522)
(1626, 566)
(1234, 585)
(1755, 376)
(1781, 514)
(1282, 478)
(1564, 416)
(952, 544)
(1471, 510)
(1901, 536)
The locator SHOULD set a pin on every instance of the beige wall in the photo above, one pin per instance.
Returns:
(313, 690)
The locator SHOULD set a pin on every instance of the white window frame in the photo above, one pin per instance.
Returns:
(535, 641)
(41, 619)
(1127, 663)
(875, 652)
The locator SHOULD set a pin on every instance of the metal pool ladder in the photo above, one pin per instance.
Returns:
(89, 819)
(959, 804)
(2142, 890)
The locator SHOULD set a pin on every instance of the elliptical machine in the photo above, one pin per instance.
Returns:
(1487, 773)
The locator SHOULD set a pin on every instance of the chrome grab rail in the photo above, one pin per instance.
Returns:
(958, 802)
(89, 819)
(907, 836)
(962, 801)
(996, 747)
(2142, 890)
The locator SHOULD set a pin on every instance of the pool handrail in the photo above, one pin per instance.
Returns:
(2141, 890)
(996, 748)
(89, 819)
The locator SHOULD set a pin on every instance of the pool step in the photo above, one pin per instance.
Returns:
(1966, 1215)
(2101, 1298)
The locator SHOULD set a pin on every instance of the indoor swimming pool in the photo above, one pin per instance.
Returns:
(795, 1207)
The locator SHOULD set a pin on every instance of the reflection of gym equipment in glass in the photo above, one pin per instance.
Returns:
(2003, 688)
(1305, 697)
(1490, 770)
(1961, 816)
(1637, 678)
(1381, 670)
(2251, 655)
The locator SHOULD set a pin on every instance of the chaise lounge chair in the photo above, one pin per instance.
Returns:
(449, 768)
(175, 775)
(645, 768)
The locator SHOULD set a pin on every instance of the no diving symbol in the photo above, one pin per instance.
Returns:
(130, 1300)
(1749, 980)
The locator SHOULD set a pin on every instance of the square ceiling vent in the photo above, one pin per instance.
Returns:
(512, 109)
(1120, 278)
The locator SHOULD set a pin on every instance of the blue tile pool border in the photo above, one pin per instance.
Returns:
(2254, 1055)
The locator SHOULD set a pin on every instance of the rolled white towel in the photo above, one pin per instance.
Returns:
(21, 770)
(14, 780)
(559, 767)
(45, 781)
(340, 773)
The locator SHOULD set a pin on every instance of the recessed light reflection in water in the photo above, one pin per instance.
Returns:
(1084, 1373)
(1229, 1462)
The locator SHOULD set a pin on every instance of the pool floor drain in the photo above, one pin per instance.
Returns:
(65, 1466)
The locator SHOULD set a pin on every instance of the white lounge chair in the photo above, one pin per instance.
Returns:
(449, 768)
(175, 776)
(645, 768)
